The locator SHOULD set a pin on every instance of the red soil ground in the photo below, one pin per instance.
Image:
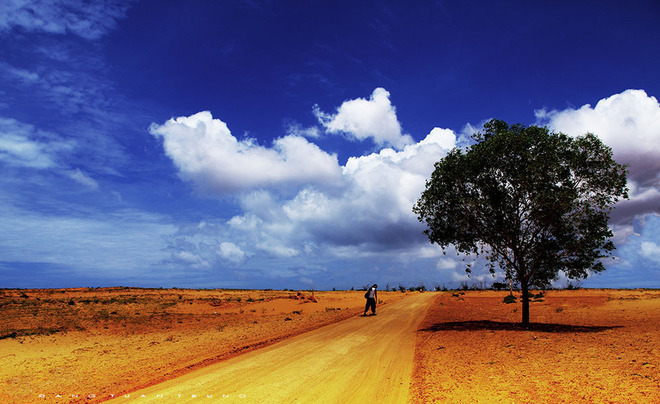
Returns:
(592, 346)
(84, 344)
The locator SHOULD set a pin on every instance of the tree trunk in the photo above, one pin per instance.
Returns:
(525, 303)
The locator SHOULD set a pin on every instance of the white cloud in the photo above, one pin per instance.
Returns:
(22, 145)
(296, 129)
(18, 150)
(428, 251)
(651, 250)
(447, 264)
(360, 118)
(189, 259)
(445, 138)
(275, 248)
(82, 178)
(628, 122)
(368, 215)
(366, 209)
(373, 214)
(231, 252)
(207, 154)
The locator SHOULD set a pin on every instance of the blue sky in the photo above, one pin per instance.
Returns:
(272, 144)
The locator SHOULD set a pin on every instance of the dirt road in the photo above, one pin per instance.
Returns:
(362, 359)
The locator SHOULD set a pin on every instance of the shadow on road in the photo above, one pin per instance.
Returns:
(509, 326)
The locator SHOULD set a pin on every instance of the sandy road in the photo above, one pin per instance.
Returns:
(359, 360)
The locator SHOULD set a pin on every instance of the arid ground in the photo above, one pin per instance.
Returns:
(84, 345)
(591, 346)
(87, 344)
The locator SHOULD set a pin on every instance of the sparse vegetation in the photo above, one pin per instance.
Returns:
(508, 299)
(499, 286)
(173, 320)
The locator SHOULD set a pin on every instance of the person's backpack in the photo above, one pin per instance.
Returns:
(366, 295)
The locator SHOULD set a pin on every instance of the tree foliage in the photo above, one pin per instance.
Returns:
(531, 201)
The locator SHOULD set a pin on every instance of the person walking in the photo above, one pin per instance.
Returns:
(372, 297)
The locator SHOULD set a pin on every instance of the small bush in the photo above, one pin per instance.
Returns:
(509, 299)
(499, 286)
(11, 335)
(537, 297)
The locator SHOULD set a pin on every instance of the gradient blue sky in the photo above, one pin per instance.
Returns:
(273, 144)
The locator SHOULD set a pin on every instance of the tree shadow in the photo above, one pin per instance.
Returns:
(481, 325)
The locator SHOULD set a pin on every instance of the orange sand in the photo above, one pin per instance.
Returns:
(85, 344)
(592, 346)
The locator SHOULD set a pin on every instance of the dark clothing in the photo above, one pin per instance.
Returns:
(371, 295)
(371, 304)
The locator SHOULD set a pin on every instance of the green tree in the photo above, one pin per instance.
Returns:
(531, 201)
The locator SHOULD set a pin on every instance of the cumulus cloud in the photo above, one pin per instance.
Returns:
(629, 122)
(362, 119)
(445, 138)
(231, 252)
(373, 214)
(207, 154)
(367, 211)
(89, 19)
(360, 209)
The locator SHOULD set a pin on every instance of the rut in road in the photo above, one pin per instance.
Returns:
(358, 360)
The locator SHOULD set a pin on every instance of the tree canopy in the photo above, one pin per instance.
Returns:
(533, 202)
